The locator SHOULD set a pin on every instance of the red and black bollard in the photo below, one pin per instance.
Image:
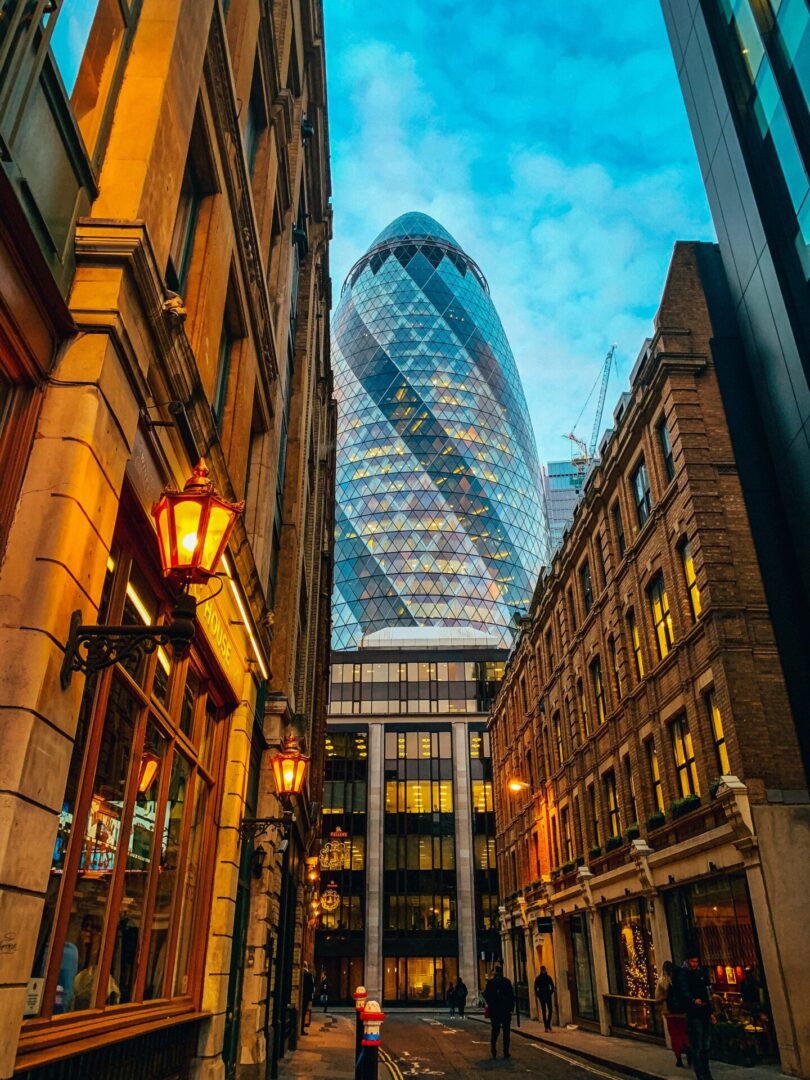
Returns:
(372, 1017)
(360, 997)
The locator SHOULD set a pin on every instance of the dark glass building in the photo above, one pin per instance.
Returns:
(438, 548)
(744, 68)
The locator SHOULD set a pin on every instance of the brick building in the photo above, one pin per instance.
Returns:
(164, 297)
(660, 799)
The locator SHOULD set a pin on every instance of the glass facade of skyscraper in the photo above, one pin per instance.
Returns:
(562, 483)
(438, 519)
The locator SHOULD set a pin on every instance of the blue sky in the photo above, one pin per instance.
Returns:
(550, 139)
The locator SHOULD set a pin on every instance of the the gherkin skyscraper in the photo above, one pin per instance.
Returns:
(438, 498)
(438, 526)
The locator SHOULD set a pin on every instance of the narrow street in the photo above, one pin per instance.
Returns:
(428, 1044)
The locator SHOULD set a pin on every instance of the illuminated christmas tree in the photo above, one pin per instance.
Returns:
(635, 966)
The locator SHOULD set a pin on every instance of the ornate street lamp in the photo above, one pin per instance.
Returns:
(289, 767)
(193, 527)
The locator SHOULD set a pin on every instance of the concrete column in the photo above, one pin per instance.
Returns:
(662, 949)
(465, 867)
(506, 950)
(600, 974)
(374, 863)
(563, 995)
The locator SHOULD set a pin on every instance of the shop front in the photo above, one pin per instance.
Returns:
(714, 916)
(121, 946)
(584, 999)
(631, 968)
(418, 980)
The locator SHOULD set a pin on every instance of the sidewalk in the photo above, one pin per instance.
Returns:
(327, 1050)
(630, 1056)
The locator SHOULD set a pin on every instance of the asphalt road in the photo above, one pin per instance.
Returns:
(433, 1044)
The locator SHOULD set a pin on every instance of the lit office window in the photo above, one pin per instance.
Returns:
(598, 690)
(640, 484)
(661, 617)
(614, 667)
(684, 751)
(688, 563)
(655, 776)
(718, 734)
(635, 641)
(612, 803)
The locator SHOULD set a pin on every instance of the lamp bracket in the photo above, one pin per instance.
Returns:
(91, 648)
(253, 827)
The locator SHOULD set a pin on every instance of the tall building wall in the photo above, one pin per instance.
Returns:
(744, 75)
(164, 231)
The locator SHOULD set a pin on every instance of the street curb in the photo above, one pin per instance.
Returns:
(614, 1066)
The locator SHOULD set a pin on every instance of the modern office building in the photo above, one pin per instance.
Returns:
(562, 483)
(745, 75)
(438, 526)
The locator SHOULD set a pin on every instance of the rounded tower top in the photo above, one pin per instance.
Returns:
(414, 226)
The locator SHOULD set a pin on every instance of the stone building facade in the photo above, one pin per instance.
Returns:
(661, 802)
(165, 296)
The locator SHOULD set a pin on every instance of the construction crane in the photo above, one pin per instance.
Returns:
(582, 460)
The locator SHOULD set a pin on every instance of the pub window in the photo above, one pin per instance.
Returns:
(666, 450)
(612, 802)
(688, 563)
(640, 485)
(587, 586)
(655, 776)
(618, 528)
(123, 908)
(718, 734)
(598, 690)
(635, 642)
(87, 43)
(661, 617)
(614, 667)
(684, 751)
(19, 407)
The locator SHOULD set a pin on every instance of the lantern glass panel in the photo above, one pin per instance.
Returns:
(164, 539)
(187, 513)
(219, 523)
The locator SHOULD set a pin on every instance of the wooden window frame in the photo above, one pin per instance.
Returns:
(598, 683)
(663, 631)
(635, 643)
(656, 783)
(683, 752)
(690, 576)
(665, 443)
(719, 740)
(642, 493)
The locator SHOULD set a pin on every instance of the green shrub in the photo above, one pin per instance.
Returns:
(613, 842)
(595, 852)
(633, 831)
(656, 820)
(684, 806)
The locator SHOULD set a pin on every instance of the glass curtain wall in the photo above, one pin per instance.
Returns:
(342, 863)
(425, 686)
(419, 864)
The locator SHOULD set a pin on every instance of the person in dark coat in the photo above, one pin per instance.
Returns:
(500, 1000)
(695, 993)
(324, 991)
(451, 998)
(461, 996)
(544, 991)
(307, 993)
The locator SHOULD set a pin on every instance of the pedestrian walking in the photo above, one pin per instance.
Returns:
(544, 991)
(461, 996)
(673, 1007)
(451, 998)
(500, 1001)
(307, 992)
(323, 991)
(692, 984)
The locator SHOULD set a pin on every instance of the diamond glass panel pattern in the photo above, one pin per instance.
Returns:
(438, 502)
